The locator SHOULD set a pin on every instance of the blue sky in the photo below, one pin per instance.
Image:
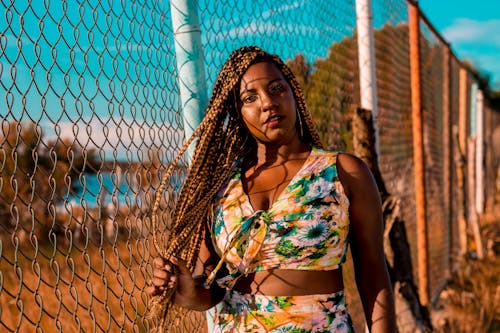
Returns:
(104, 72)
(473, 30)
(108, 66)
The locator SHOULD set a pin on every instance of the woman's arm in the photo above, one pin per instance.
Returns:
(190, 292)
(366, 237)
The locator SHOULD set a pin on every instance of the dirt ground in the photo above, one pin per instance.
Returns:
(471, 300)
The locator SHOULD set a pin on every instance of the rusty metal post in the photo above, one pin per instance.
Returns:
(418, 154)
(462, 111)
(462, 148)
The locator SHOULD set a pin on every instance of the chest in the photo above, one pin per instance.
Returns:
(263, 185)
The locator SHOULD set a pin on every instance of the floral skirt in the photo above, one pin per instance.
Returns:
(298, 314)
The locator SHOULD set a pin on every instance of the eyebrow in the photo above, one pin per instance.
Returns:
(270, 82)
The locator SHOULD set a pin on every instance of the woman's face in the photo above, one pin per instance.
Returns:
(267, 104)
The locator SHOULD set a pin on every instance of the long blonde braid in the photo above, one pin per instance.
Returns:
(221, 138)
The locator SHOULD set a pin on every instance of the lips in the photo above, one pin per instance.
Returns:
(273, 120)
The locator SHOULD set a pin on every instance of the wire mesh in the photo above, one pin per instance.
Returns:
(394, 97)
(90, 117)
(455, 89)
(394, 104)
(432, 64)
(492, 158)
(89, 111)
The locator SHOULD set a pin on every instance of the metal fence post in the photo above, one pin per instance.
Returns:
(189, 57)
(462, 150)
(192, 82)
(418, 154)
(366, 54)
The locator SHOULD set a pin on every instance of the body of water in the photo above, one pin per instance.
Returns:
(110, 188)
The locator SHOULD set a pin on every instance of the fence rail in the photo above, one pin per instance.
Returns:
(90, 116)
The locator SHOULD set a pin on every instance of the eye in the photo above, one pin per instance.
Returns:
(248, 99)
(276, 87)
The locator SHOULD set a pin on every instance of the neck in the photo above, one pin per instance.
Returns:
(273, 153)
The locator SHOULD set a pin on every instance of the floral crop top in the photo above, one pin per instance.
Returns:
(306, 227)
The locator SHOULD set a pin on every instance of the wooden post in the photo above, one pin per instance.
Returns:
(410, 312)
(462, 151)
(447, 152)
(472, 214)
(480, 152)
(418, 154)
(473, 172)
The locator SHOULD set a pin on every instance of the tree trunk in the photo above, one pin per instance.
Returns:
(411, 315)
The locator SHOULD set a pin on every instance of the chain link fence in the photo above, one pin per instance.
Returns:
(89, 110)
(90, 116)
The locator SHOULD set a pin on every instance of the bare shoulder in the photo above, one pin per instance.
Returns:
(353, 173)
(351, 163)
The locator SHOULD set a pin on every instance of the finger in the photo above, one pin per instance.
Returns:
(181, 264)
(161, 274)
(157, 282)
(158, 262)
(153, 291)
(169, 267)
(172, 282)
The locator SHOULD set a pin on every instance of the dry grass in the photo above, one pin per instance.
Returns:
(100, 289)
(471, 301)
(92, 291)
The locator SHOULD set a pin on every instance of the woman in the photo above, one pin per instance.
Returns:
(263, 219)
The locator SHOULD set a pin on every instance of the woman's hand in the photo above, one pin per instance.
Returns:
(173, 274)
(188, 290)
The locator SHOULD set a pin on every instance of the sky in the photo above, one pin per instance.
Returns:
(104, 72)
(108, 66)
(473, 30)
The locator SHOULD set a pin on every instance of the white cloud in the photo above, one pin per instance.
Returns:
(283, 8)
(487, 63)
(478, 42)
(12, 40)
(464, 30)
(257, 28)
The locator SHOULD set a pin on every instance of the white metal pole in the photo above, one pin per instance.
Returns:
(479, 152)
(366, 59)
(366, 51)
(192, 82)
(189, 57)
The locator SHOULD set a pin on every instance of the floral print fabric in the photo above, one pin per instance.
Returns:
(306, 227)
(299, 314)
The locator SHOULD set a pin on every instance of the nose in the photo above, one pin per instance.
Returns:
(268, 102)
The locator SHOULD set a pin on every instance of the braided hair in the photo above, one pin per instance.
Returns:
(221, 138)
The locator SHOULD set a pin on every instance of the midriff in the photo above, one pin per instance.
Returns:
(280, 282)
